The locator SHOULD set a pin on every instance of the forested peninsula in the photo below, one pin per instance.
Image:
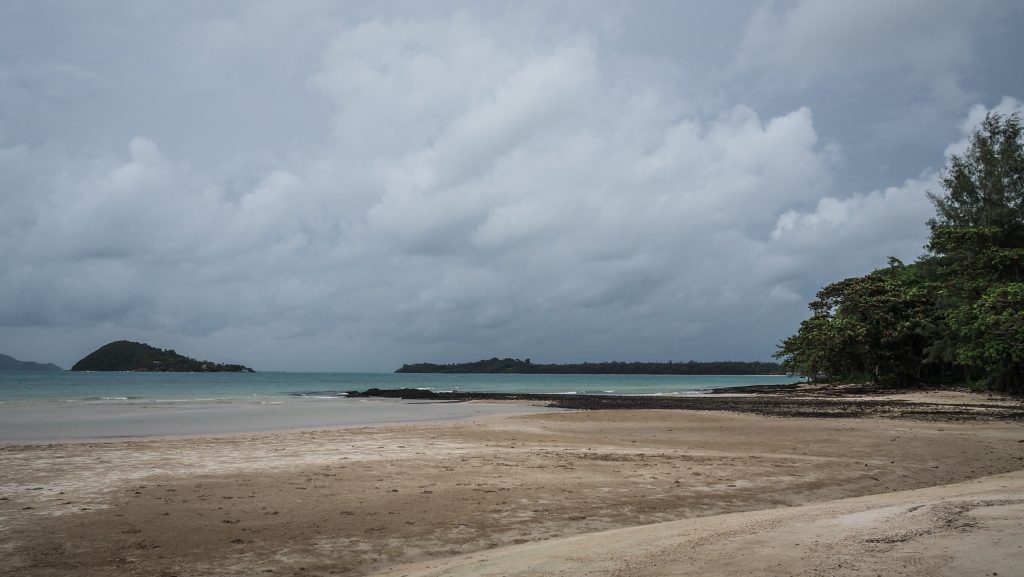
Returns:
(140, 357)
(12, 364)
(956, 314)
(526, 367)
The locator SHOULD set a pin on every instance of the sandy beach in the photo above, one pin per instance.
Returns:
(616, 492)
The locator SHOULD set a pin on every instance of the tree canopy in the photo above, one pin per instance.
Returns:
(954, 315)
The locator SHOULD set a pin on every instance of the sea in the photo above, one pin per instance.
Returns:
(73, 386)
(69, 406)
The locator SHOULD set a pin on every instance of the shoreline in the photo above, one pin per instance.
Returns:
(574, 492)
(48, 423)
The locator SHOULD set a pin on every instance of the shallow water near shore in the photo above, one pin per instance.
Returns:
(86, 405)
(70, 386)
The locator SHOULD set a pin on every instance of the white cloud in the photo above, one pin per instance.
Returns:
(477, 191)
(1007, 106)
(864, 227)
(809, 40)
(483, 187)
(854, 235)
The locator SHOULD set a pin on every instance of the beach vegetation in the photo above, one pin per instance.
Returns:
(956, 315)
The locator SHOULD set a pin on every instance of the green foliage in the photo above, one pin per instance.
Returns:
(132, 356)
(990, 334)
(516, 366)
(985, 185)
(957, 313)
(874, 327)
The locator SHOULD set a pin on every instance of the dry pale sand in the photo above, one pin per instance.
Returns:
(576, 493)
(970, 528)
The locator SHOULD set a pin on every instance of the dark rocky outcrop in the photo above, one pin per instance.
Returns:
(779, 402)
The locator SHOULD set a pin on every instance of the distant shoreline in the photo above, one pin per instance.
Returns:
(527, 367)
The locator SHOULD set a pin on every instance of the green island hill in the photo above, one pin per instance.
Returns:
(140, 357)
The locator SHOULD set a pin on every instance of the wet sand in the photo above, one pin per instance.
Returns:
(49, 421)
(681, 492)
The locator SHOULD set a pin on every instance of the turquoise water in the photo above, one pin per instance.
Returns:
(185, 387)
(61, 406)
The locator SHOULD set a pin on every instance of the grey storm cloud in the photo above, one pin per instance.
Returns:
(307, 187)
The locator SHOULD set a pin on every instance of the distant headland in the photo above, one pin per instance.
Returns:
(12, 364)
(140, 357)
(517, 366)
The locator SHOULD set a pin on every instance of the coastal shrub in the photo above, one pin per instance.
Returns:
(954, 315)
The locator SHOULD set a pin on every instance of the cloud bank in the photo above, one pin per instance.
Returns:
(469, 190)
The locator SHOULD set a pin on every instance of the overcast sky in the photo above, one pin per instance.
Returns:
(319, 185)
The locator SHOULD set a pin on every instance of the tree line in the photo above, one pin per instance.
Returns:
(956, 314)
(517, 366)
